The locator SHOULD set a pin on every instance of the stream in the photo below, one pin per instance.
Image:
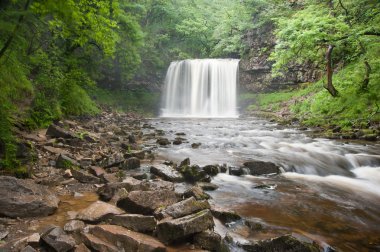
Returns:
(329, 192)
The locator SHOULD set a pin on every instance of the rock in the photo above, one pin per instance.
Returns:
(131, 163)
(107, 191)
(261, 168)
(254, 225)
(146, 202)
(98, 211)
(58, 240)
(33, 240)
(283, 243)
(194, 173)
(177, 141)
(236, 171)
(85, 162)
(172, 230)
(157, 185)
(183, 208)
(137, 154)
(139, 175)
(211, 170)
(167, 173)
(67, 174)
(74, 226)
(28, 249)
(24, 198)
(197, 193)
(195, 145)
(126, 240)
(81, 248)
(131, 139)
(57, 132)
(135, 222)
(208, 240)
(65, 162)
(85, 177)
(163, 141)
(110, 177)
(180, 134)
(224, 215)
(54, 150)
(207, 186)
(97, 171)
(185, 162)
(97, 244)
(3, 234)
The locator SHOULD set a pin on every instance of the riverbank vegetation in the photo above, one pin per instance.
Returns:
(69, 58)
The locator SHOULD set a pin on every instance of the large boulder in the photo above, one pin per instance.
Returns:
(24, 198)
(57, 132)
(183, 208)
(146, 202)
(125, 240)
(170, 230)
(167, 173)
(57, 239)
(98, 211)
(208, 240)
(261, 168)
(135, 222)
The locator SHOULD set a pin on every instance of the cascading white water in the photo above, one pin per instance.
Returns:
(201, 88)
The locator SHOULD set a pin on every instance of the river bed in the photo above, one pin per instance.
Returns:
(329, 191)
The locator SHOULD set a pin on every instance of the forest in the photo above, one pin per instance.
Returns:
(99, 74)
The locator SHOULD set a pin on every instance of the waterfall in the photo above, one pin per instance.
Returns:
(201, 88)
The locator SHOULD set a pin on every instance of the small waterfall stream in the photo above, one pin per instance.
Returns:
(201, 88)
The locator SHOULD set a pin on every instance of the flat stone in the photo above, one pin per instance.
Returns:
(97, 244)
(74, 226)
(183, 208)
(85, 177)
(157, 185)
(57, 132)
(98, 211)
(97, 171)
(166, 173)
(262, 168)
(127, 240)
(172, 230)
(135, 222)
(58, 240)
(25, 198)
(33, 239)
(207, 186)
(146, 202)
(54, 150)
(225, 215)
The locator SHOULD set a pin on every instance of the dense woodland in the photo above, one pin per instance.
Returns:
(67, 58)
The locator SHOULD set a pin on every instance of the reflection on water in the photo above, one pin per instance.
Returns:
(329, 193)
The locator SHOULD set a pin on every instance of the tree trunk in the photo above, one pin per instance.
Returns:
(368, 70)
(329, 70)
(9, 40)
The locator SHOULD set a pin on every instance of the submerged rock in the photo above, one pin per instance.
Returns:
(25, 198)
(172, 230)
(163, 141)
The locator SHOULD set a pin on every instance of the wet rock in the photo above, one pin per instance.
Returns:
(163, 141)
(74, 226)
(131, 163)
(126, 240)
(177, 141)
(211, 170)
(135, 222)
(24, 198)
(197, 193)
(207, 186)
(167, 173)
(146, 202)
(194, 173)
(208, 240)
(57, 239)
(261, 168)
(81, 248)
(225, 215)
(236, 171)
(172, 230)
(57, 132)
(283, 243)
(195, 145)
(185, 162)
(85, 177)
(183, 208)
(65, 162)
(254, 225)
(180, 134)
(98, 211)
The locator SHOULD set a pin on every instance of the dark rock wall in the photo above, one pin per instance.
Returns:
(255, 66)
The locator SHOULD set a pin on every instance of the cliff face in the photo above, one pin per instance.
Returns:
(255, 66)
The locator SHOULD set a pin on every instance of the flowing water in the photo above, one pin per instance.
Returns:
(201, 88)
(329, 192)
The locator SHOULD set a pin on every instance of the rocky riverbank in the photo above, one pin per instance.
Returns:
(96, 185)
